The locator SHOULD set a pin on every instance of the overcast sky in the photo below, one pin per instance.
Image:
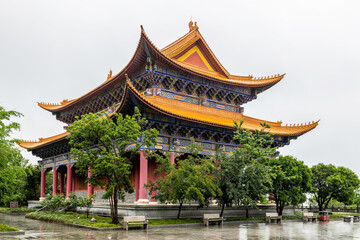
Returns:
(55, 50)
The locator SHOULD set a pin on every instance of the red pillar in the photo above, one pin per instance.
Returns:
(73, 180)
(55, 181)
(68, 180)
(152, 167)
(143, 178)
(137, 169)
(42, 188)
(61, 183)
(90, 188)
(172, 157)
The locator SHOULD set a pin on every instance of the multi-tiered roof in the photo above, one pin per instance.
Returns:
(184, 80)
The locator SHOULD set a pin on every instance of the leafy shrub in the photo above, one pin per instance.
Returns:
(53, 202)
(7, 228)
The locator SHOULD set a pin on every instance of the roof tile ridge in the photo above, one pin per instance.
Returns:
(178, 40)
(272, 77)
(303, 125)
(62, 103)
(178, 49)
(40, 140)
(213, 55)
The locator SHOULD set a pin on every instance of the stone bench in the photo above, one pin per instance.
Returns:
(212, 218)
(348, 218)
(134, 220)
(272, 216)
(306, 217)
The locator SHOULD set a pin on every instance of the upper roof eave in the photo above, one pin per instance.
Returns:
(217, 117)
(244, 81)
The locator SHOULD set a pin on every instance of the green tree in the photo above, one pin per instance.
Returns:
(32, 185)
(6, 125)
(331, 182)
(241, 177)
(357, 200)
(189, 180)
(101, 143)
(291, 179)
(12, 174)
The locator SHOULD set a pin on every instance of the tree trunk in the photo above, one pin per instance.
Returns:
(247, 212)
(277, 206)
(222, 209)
(281, 208)
(178, 216)
(115, 218)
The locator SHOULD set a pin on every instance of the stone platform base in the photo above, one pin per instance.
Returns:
(158, 211)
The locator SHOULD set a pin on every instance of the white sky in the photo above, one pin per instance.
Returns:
(55, 50)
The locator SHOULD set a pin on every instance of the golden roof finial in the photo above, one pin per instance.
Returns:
(110, 74)
(65, 101)
(192, 26)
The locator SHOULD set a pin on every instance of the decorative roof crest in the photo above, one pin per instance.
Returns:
(109, 75)
(192, 26)
(64, 102)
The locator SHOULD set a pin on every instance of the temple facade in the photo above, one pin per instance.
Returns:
(182, 90)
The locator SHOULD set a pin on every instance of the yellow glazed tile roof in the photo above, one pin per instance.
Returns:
(30, 145)
(217, 117)
(194, 113)
(168, 53)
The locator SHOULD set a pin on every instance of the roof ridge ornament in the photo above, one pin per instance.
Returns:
(192, 26)
(109, 75)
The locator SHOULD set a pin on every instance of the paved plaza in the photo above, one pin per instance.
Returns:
(287, 230)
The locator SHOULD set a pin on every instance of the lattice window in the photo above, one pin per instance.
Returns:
(201, 90)
(190, 88)
(167, 83)
(179, 85)
(210, 93)
(229, 98)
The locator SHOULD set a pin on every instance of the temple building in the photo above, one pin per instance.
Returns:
(182, 90)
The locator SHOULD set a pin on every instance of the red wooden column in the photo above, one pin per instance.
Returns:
(68, 180)
(55, 181)
(137, 176)
(61, 183)
(73, 180)
(172, 157)
(152, 166)
(42, 188)
(143, 178)
(90, 188)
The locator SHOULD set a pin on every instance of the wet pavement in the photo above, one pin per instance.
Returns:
(287, 230)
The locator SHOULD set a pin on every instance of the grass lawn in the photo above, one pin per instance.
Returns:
(73, 218)
(7, 228)
(342, 214)
(105, 222)
(17, 210)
